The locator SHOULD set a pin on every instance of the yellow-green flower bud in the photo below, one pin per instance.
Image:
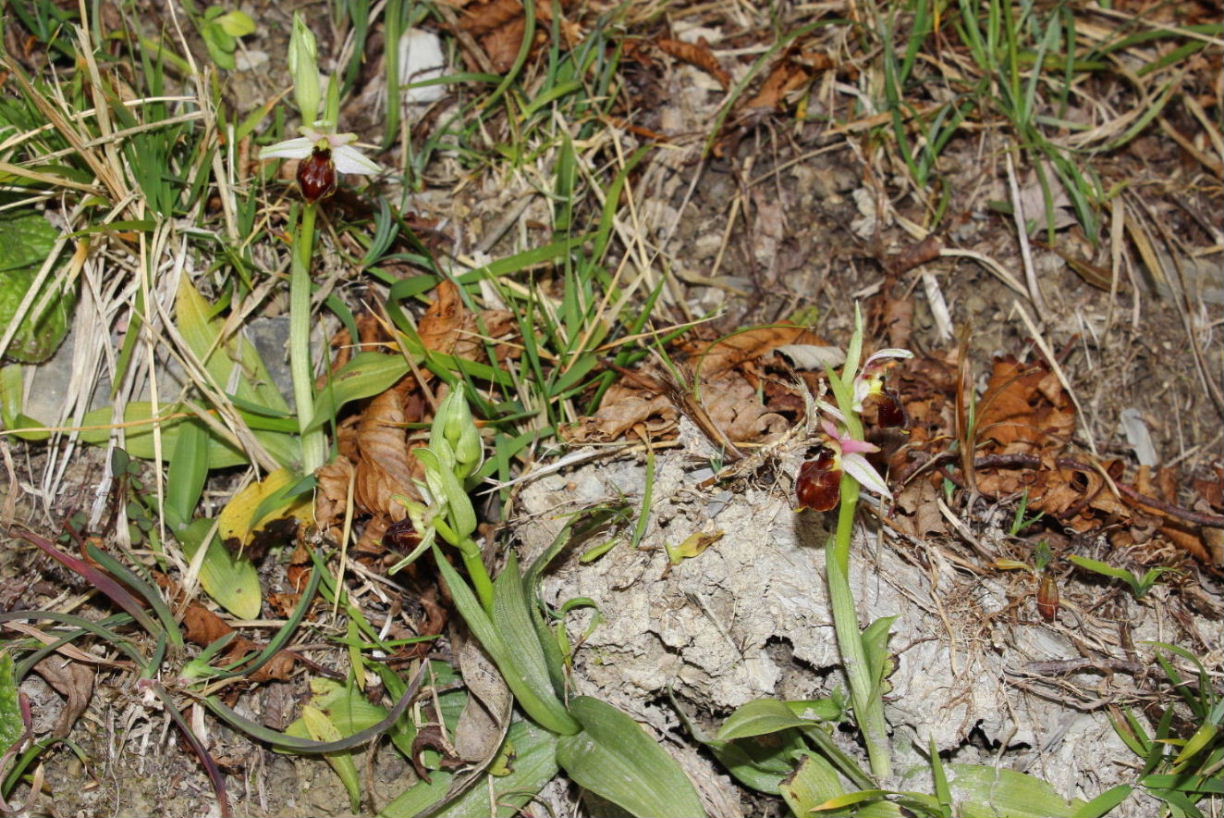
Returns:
(304, 68)
(469, 451)
(455, 425)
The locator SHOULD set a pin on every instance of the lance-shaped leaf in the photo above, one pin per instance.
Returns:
(615, 759)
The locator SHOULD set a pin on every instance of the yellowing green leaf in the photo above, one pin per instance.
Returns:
(231, 580)
(696, 543)
(238, 518)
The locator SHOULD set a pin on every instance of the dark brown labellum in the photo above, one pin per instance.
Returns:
(889, 411)
(401, 536)
(316, 175)
(1047, 598)
(818, 485)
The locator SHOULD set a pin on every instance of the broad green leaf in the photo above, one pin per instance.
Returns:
(1105, 802)
(758, 762)
(417, 799)
(230, 580)
(233, 363)
(187, 474)
(12, 401)
(236, 23)
(321, 728)
(368, 374)
(875, 645)
(11, 725)
(511, 612)
(832, 708)
(532, 764)
(614, 758)
(26, 239)
(813, 782)
(336, 711)
(758, 718)
(984, 792)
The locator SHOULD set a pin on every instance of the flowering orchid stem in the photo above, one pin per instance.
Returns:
(864, 693)
(314, 445)
(474, 563)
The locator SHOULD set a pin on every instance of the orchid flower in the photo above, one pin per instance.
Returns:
(325, 152)
(870, 379)
(869, 383)
(819, 483)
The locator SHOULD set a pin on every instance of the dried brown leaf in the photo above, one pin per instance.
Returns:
(751, 345)
(624, 406)
(385, 466)
(785, 77)
(1024, 410)
(72, 680)
(733, 406)
(697, 54)
(481, 18)
(502, 44)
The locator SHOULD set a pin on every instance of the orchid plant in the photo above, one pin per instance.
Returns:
(324, 154)
(601, 748)
(833, 478)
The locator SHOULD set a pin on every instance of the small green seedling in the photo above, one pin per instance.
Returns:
(1139, 586)
(1021, 522)
(221, 30)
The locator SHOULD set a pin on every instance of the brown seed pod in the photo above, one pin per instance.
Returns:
(316, 175)
(1047, 598)
(818, 485)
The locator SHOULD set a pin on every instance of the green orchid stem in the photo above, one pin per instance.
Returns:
(474, 563)
(868, 703)
(865, 694)
(314, 445)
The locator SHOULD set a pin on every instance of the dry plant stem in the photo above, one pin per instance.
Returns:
(314, 449)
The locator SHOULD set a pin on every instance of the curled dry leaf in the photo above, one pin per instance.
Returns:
(385, 466)
(697, 54)
(72, 680)
(785, 77)
(733, 406)
(1024, 410)
(500, 25)
(749, 346)
(624, 406)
